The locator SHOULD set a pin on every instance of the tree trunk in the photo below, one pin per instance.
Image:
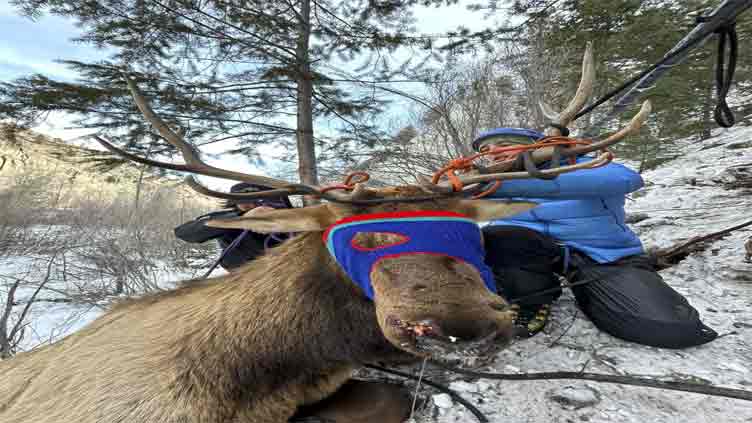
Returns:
(137, 199)
(119, 285)
(306, 150)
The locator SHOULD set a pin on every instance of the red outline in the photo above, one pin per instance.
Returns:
(394, 215)
(404, 239)
(391, 215)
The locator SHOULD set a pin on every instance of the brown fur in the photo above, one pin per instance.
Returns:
(245, 348)
(285, 331)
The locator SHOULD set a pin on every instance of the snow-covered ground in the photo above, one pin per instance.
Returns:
(682, 199)
(48, 321)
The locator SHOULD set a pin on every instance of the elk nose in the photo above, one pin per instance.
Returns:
(456, 331)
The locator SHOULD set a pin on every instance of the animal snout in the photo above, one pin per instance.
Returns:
(455, 331)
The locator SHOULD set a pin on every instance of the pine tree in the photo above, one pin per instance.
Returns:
(629, 36)
(258, 71)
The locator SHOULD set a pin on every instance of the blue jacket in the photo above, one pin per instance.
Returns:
(583, 209)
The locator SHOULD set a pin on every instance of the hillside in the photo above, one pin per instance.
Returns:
(705, 190)
(70, 175)
(73, 238)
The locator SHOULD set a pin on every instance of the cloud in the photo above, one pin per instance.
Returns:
(10, 70)
(33, 46)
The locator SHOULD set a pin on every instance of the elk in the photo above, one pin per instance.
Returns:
(288, 329)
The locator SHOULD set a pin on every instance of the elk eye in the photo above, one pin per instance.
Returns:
(371, 241)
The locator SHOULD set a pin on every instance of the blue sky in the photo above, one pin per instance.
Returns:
(28, 46)
(32, 46)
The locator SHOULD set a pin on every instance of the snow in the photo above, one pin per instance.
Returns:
(718, 282)
(51, 321)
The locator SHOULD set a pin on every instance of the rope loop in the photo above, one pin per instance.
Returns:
(724, 76)
(349, 183)
(499, 155)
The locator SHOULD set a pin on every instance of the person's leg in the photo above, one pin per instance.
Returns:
(359, 401)
(630, 300)
(524, 262)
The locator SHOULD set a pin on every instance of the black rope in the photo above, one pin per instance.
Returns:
(724, 77)
(226, 251)
(611, 94)
(563, 129)
(455, 396)
(723, 114)
(670, 385)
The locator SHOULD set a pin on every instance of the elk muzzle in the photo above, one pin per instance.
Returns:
(439, 307)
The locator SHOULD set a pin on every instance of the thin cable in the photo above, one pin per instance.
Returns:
(455, 396)
(417, 387)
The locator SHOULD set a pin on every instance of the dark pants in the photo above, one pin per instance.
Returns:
(627, 298)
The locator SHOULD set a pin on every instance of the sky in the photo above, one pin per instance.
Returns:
(28, 47)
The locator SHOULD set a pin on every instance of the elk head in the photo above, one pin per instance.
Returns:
(415, 251)
(420, 263)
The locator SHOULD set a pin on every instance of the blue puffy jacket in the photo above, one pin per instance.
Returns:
(583, 209)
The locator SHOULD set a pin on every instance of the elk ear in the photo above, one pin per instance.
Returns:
(304, 219)
(484, 210)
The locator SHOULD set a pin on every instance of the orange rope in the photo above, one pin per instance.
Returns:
(488, 191)
(348, 184)
(497, 155)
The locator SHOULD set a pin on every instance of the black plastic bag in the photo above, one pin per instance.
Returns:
(630, 300)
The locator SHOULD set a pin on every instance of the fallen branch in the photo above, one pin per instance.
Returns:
(45, 300)
(581, 375)
(670, 385)
(667, 257)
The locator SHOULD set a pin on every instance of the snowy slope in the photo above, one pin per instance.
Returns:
(717, 282)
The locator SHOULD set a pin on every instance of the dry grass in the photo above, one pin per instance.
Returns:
(102, 235)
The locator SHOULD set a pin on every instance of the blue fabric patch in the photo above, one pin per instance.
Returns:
(583, 209)
(438, 233)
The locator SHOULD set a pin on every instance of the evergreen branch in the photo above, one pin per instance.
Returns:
(250, 34)
(256, 47)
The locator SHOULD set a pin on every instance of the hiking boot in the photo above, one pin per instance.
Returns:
(531, 319)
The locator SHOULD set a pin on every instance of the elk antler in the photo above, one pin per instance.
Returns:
(545, 154)
(194, 164)
(563, 119)
(584, 90)
(502, 170)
